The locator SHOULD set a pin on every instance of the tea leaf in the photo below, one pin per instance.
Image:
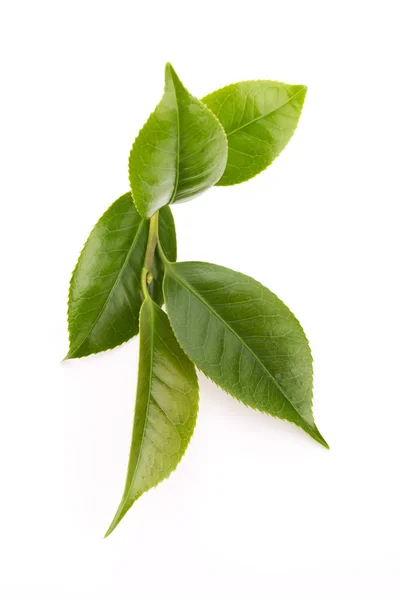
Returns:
(180, 152)
(259, 118)
(244, 338)
(166, 408)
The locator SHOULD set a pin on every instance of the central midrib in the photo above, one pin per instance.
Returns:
(266, 114)
(186, 285)
(148, 399)
(178, 149)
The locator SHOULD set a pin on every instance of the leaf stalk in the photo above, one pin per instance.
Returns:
(152, 241)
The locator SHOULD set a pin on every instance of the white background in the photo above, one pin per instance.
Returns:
(256, 509)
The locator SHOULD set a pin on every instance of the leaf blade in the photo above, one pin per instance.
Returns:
(244, 338)
(259, 118)
(166, 408)
(179, 153)
(105, 294)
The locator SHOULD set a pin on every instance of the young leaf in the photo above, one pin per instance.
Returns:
(244, 338)
(259, 118)
(105, 293)
(166, 408)
(180, 152)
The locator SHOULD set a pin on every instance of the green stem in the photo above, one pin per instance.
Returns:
(164, 259)
(150, 250)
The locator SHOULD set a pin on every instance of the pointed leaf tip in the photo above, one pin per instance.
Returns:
(318, 438)
(119, 515)
(314, 432)
(167, 70)
(172, 74)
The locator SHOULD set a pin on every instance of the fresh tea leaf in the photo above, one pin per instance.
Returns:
(244, 338)
(180, 152)
(259, 118)
(166, 408)
(105, 293)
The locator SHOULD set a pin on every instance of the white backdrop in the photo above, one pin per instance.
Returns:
(256, 509)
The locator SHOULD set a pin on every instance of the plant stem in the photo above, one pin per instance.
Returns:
(150, 250)
(164, 259)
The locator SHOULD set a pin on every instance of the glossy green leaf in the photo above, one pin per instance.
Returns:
(244, 338)
(180, 152)
(259, 118)
(166, 408)
(105, 293)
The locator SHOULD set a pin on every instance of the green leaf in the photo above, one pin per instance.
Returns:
(105, 293)
(244, 338)
(180, 152)
(166, 408)
(259, 118)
